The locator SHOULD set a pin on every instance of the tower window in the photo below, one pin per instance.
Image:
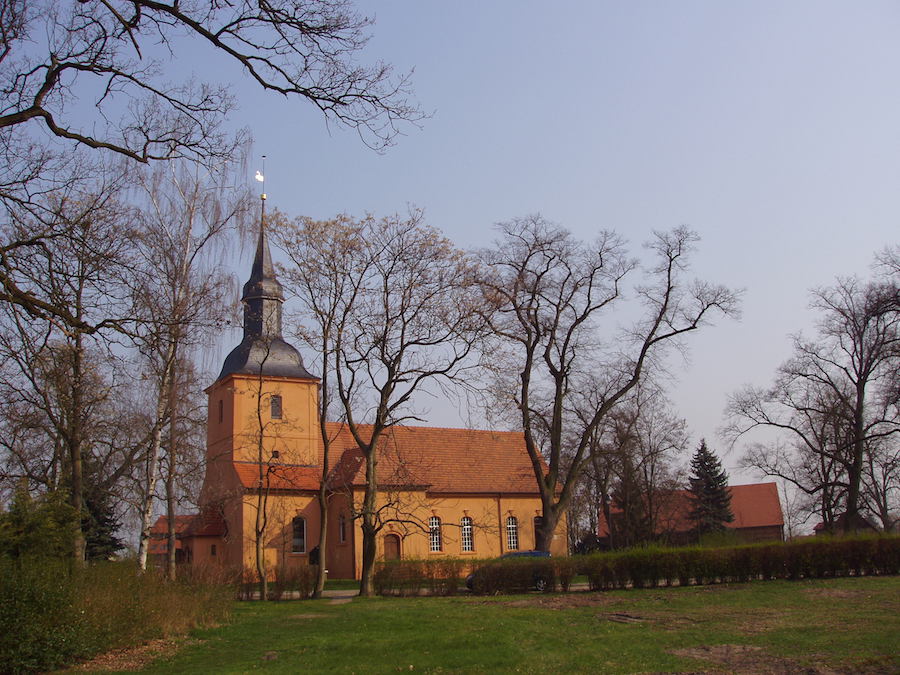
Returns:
(342, 528)
(276, 406)
(298, 545)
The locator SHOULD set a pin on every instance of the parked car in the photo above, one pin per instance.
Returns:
(538, 577)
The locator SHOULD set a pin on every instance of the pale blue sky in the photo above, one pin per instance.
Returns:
(771, 128)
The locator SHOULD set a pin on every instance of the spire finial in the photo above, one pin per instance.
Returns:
(261, 177)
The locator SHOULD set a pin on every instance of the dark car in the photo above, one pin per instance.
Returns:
(538, 577)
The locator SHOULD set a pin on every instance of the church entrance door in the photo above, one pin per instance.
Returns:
(392, 547)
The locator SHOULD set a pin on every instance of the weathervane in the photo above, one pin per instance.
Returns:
(261, 177)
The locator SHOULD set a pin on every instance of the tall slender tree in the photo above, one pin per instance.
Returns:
(711, 500)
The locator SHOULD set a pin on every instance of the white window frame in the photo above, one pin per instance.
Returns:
(512, 533)
(435, 540)
(467, 538)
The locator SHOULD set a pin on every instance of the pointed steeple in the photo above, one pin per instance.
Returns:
(263, 350)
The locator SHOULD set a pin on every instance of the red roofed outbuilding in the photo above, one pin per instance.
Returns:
(756, 508)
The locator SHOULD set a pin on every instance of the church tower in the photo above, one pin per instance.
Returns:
(263, 405)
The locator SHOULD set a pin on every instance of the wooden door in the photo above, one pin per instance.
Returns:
(392, 547)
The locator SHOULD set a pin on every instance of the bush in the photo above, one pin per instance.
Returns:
(52, 615)
(565, 570)
(514, 575)
(400, 577)
(293, 581)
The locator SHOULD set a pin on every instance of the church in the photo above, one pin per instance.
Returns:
(458, 493)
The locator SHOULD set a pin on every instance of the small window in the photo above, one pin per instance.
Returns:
(342, 528)
(468, 541)
(276, 406)
(221, 411)
(538, 521)
(298, 544)
(212, 550)
(434, 534)
(512, 533)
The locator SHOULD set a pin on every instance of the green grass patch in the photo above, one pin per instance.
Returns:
(845, 624)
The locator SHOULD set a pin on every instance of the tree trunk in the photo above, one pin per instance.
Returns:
(369, 527)
(544, 533)
(323, 534)
(75, 448)
(173, 467)
(162, 405)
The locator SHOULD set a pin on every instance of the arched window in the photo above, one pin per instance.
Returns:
(467, 538)
(538, 520)
(298, 543)
(434, 533)
(276, 406)
(342, 528)
(512, 533)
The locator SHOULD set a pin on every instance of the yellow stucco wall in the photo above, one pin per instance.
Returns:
(240, 410)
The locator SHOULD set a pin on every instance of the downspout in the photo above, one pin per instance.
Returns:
(500, 532)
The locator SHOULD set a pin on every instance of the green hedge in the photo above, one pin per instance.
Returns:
(438, 576)
(804, 559)
(649, 567)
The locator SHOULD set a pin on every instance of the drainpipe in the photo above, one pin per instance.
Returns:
(500, 532)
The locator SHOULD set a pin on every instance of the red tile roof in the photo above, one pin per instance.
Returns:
(159, 531)
(208, 523)
(280, 476)
(439, 459)
(754, 505)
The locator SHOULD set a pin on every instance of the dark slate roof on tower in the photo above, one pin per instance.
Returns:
(263, 351)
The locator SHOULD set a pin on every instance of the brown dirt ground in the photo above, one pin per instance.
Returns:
(749, 660)
(131, 658)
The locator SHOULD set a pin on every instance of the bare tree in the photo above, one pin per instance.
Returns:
(550, 292)
(75, 272)
(85, 80)
(178, 297)
(326, 275)
(836, 398)
(403, 318)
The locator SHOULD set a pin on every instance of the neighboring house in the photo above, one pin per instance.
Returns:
(159, 545)
(447, 492)
(861, 524)
(756, 508)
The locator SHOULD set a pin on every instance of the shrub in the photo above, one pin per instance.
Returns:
(514, 575)
(400, 577)
(294, 581)
(52, 614)
(565, 570)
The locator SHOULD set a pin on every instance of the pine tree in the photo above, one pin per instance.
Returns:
(711, 507)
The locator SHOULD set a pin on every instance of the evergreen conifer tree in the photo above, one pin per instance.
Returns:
(711, 501)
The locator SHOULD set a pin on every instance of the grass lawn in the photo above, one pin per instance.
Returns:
(843, 625)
